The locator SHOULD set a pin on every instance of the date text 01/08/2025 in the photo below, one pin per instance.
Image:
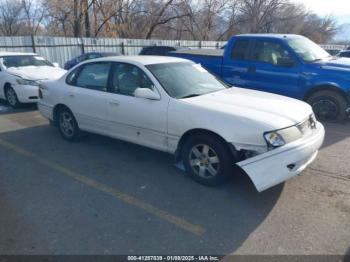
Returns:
(174, 258)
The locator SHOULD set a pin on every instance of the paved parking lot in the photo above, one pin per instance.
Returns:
(103, 196)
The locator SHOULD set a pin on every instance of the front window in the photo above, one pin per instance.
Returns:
(126, 78)
(24, 60)
(181, 80)
(269, 52)
(307, 50)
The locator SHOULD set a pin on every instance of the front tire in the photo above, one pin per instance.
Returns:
(328, 105)
(207, 159)
(11, 97)
(68, 126)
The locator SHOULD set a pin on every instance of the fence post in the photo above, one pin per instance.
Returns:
(82, 46)
(33, 43)
(123, 48)
(200, 45)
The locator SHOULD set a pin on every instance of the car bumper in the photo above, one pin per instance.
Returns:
(45, 110)
(278, 165)
(26, 93)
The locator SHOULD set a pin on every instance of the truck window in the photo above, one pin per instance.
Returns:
(240, 49)
(268, 52)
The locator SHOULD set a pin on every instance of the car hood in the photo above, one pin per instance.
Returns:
(335, 64)
(273, 111)
(37, 72)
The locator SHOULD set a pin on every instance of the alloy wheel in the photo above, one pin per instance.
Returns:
(325, 109)
(11, 97)
(67, 124)
(204, 161)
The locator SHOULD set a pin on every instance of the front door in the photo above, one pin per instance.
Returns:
(138, 120)
(273, 69)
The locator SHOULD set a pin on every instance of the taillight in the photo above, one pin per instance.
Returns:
(40, 92)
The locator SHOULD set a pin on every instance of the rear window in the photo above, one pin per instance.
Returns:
(240, 49)
(344, 54)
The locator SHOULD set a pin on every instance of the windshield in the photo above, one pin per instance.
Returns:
(24, 60)
(307, 50)
(181, 80)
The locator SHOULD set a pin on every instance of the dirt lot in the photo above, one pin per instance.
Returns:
(103, 196)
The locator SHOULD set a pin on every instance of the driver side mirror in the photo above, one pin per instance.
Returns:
(146, 93)
(285, 62)
(55, 64)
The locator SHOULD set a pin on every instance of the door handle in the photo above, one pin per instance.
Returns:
(251, 69)
(114, 103)
(71, 95)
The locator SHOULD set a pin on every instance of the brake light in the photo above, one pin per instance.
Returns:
(40, 92)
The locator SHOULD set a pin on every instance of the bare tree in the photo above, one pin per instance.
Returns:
(167, 19)
(10, 17)
(34, 12)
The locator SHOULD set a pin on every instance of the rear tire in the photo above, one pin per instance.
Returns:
(67, 125)
(11, 97)
(207, 159)
(328, 105)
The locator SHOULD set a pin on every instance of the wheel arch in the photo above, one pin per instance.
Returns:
(322, 87)
(200, 131)
(6, 85)
(55, 111)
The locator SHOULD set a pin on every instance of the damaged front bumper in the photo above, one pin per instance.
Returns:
(280, 164)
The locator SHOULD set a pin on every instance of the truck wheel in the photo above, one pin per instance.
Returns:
(207, 160)
(11, 97)
(328, 105)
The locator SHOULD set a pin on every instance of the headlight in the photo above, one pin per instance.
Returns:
(26, 82)
(281, 137)
(274, 139)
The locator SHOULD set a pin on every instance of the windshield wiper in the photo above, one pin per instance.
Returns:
(190, 95)
(316, 60)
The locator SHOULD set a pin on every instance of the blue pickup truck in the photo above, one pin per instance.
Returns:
(289, 65)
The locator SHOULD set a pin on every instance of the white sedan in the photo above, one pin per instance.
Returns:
(176, 106)
(20, 75)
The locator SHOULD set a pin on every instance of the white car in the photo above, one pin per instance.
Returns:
(20, 75)
(176, 106)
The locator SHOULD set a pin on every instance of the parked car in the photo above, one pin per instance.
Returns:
(87, 56)
(20, 75)
(160, 50)
(289, 65)
(344, 53)
(176, 106)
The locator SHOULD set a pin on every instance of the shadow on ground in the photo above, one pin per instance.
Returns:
(6, 109)
(39, 200)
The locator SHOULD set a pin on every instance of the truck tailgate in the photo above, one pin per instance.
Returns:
(211, 59)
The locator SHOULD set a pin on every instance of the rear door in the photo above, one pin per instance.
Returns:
(87, 95)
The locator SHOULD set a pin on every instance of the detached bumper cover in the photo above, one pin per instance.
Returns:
(45, 110)
(278, 165)
(27, 94)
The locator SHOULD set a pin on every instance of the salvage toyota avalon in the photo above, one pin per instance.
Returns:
(176, 106)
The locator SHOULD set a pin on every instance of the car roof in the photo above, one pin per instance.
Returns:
(277, 36)
(144, 60)
(4, 53)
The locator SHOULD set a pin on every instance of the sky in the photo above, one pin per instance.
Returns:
(340, 9)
